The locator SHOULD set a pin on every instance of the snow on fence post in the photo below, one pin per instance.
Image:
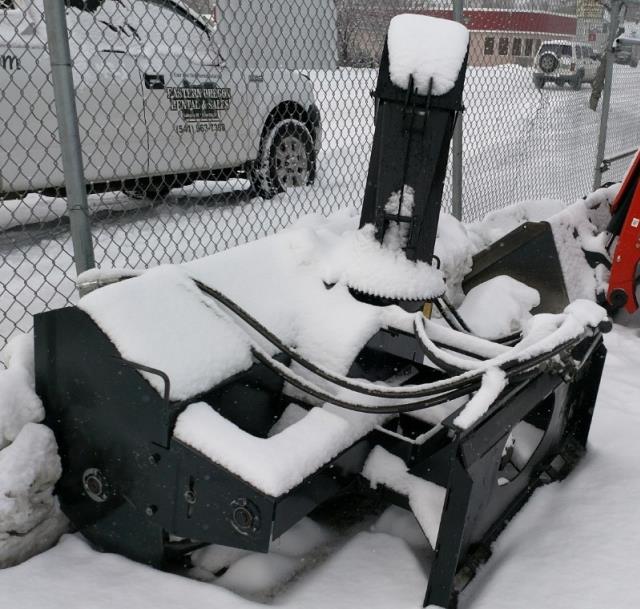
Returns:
(68, 131)
(616, 5)
(456, 145)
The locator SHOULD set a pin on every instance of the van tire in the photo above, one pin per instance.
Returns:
(576, 83)
(287, 159)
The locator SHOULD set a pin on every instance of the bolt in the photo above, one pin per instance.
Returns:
(190, 497)
(95, 484)
(150, 510)
(245, 517)
(154, 459)
(242, 517)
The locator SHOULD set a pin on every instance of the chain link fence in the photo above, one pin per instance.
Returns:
(206, 125)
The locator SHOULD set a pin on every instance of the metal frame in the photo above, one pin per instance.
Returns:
(115, 430)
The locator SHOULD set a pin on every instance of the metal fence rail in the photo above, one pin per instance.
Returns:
(202, 129)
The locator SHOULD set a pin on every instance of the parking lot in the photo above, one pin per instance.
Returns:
(518, 144)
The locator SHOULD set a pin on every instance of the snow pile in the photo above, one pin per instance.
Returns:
(425, 48)
(276, 464)
(29, 513)
(523, 441)
(425, 498)
(362, 263)
(161, 319)
(575, 228)
(19, 403)
(579, 228)
(454, 249)
(258, 575)
(30, 519)
(296, 283)
(498, 307)
(400, 203)
(493, 382)
(282, 281)
(498, 223)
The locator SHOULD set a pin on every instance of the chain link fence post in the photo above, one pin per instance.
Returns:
(616, 6)
(456, 153)
(65, 103)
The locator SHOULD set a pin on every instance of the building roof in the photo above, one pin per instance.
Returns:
(505, 20)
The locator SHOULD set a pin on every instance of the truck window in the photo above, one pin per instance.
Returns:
(561, 50)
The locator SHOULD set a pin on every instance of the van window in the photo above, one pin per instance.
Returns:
(503, 46)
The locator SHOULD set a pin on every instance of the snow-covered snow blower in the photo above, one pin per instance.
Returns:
(223, 400)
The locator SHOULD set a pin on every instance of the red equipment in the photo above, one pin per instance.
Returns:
(625, 224)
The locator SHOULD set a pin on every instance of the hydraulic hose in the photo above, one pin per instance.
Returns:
(443, 390)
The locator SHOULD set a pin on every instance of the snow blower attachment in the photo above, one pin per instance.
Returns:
(596, 236)
(184, 419)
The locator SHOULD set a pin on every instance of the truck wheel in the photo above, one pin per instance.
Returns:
(548, 62)
(287, 159)
(576, 83)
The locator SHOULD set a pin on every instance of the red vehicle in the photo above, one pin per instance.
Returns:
(625, 224)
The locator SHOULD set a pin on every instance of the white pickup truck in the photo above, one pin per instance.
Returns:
(156, 105)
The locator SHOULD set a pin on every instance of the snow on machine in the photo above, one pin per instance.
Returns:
(590, 250)
(223, 400)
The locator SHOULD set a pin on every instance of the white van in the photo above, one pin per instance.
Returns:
(157, 106)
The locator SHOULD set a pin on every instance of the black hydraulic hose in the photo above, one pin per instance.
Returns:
(510, 365)
(459, 350)
(294, 380)
(436, 359)
(455, 314)
(509, 340)
(518, 371)
(456, 322)
(417, 391)
(465, 383)
(445, 315)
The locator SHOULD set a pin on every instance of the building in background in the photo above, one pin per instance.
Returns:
(500, 36)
